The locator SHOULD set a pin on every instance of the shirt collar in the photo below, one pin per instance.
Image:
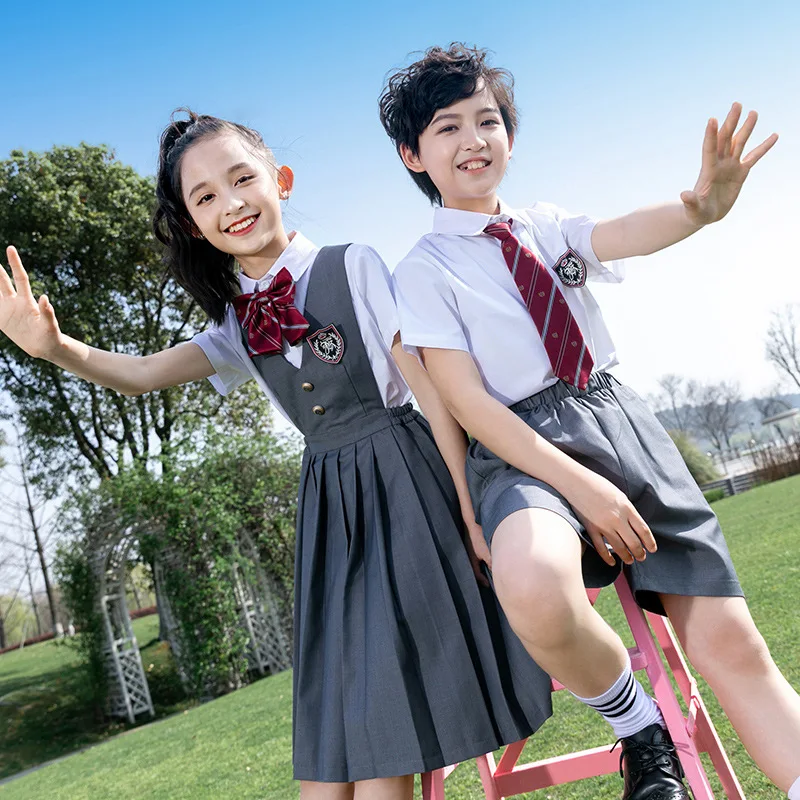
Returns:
(297, 258)
(467, 223)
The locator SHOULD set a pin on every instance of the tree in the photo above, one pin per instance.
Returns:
(81, 221)
(698, 463)
(783, 342)
(718, 412)
(25, 516)
(674, 403)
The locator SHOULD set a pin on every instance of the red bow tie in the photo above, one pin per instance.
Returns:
(269, 316)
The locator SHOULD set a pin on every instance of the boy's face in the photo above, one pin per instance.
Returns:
(465, 151)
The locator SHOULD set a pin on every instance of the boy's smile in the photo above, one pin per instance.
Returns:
(465, 151)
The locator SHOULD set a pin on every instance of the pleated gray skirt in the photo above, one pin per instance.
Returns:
(403, 663)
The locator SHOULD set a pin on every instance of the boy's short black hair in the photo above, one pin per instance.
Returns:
(440, 78)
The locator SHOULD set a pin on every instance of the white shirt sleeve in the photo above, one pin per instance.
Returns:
(229, 370)
(371, 290)
(577, 232)
(427, 307)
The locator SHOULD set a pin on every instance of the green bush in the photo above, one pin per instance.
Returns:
(699, 464)
(712, 495)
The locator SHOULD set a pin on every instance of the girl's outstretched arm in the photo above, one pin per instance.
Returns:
(34, 328)
(451, 440)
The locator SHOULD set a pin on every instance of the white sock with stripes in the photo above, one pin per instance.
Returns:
(626, 706)
(794, 791)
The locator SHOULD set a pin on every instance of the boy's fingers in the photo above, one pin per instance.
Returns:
(740, 140)
(727, 129)
(643, 532)
(690, 199)
(710, 145)
(631, 539)
(599, 544)
(757, 152)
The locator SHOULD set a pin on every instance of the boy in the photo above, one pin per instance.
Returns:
(495, 303)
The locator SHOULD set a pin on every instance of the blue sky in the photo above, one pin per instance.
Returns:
(614, 98)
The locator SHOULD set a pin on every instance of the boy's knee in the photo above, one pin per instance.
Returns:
(729, 646)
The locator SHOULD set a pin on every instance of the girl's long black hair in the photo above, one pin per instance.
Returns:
(208, 274)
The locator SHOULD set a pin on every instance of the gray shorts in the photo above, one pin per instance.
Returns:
(610, 430)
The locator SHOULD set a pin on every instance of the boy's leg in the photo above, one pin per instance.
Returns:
(314, 790)
(536, 568)
(724, 646)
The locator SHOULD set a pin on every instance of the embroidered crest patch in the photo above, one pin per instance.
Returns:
(327, 344)
(571, 269)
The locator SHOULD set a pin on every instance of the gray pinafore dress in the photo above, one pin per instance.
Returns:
(402, 662)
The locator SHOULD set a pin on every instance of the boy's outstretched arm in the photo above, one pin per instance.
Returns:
(723, 171)
(34, 328)
(605, 511)
(451, 440)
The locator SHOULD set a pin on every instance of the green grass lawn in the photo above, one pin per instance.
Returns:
(44, 710)
(239, 746)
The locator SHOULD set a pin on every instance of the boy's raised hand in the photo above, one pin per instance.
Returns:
(723, 170)
(31, 325)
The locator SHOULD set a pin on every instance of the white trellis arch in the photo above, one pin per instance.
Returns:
(128, 692)
(269, 650)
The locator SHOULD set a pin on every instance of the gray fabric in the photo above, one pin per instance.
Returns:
(402, 662)
(610, 430)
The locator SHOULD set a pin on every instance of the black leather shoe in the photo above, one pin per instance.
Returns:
(652, 770)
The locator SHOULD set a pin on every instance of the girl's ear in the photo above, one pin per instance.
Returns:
(285, 182)
(410, 159)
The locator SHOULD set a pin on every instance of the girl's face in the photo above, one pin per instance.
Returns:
(233, 197)
(465, 151)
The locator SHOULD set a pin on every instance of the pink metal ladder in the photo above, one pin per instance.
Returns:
(692, 735)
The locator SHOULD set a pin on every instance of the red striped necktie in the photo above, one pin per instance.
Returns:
(562, 338)
(269, 316)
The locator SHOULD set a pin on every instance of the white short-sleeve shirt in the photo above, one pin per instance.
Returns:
(454, 291)
(373, 302)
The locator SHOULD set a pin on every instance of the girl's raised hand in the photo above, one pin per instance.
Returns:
(723, 170)
(31, 325)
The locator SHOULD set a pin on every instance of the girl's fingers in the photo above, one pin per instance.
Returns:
(18, 271)
(740, 140)
(757, 152)
(6, 287)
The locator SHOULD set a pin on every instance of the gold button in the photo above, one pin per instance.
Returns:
(308, 387)
(318, 410)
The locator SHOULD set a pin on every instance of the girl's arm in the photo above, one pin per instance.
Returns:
(452, 443)
(722, 173)
(33, 327)
(605, 511)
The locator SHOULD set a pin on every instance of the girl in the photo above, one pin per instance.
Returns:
(402, 663)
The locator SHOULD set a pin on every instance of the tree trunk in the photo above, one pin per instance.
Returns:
(2, 633)
(38, 539)
(33, 599)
